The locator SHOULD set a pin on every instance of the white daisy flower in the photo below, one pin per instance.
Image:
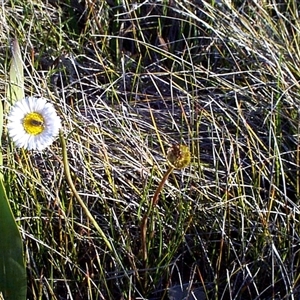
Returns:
(33, 123)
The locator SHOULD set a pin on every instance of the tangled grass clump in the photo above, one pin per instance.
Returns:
(129, 80)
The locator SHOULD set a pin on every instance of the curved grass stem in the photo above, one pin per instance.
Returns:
(78, 198)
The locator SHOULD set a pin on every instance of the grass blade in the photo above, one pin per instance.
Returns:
(16, 74)
(12, 268)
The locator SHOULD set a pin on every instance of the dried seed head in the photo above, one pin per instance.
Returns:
(179, 156)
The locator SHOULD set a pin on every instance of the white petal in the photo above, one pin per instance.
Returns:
(15, 123)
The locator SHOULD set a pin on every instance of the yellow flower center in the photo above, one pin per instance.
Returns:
(33, 123)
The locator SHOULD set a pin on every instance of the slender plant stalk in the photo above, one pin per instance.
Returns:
(179, 157)
(161, 185)
(153, 203)
(73, 189)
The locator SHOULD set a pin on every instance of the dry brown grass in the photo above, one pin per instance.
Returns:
(128, 81)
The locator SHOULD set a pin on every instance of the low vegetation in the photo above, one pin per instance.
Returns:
(129, 80)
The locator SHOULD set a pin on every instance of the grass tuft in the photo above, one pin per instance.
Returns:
(129, 80)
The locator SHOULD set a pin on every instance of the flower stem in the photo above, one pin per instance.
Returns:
(153, 203)
(161, 185)
(73, 189)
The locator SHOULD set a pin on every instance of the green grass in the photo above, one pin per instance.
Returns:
(128, 82)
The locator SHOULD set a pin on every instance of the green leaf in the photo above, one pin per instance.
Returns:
(16, 74)
(12, 268)
(1, 130)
